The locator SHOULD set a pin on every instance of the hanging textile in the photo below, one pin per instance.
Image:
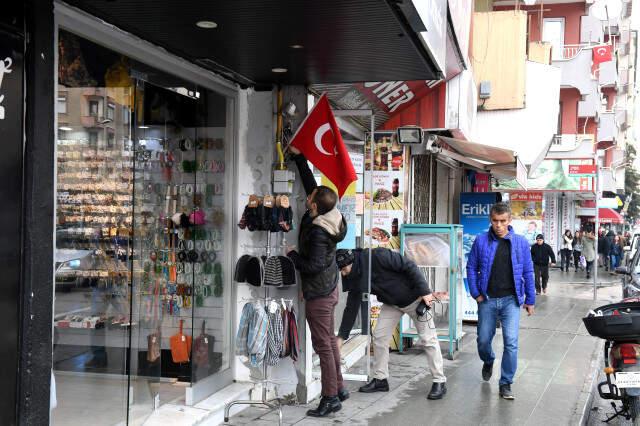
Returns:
(293, 335)
(257, 336)
(274, 335)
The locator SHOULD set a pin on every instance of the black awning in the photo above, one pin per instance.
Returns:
(342, 41)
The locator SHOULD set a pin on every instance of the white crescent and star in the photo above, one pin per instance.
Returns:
(601, 50)
(318, 138)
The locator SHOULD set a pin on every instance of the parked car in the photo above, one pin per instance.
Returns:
(631, 273)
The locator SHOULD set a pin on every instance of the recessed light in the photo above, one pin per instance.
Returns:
(65, 129)
(143, 127)
(278, 70)
(207, 24)
(296, 46)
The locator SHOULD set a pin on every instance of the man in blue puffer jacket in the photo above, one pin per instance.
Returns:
(500, 277)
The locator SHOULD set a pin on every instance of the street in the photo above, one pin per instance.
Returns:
(557, 363)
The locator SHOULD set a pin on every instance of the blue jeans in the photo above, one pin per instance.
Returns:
(507, 310)
(615, 261)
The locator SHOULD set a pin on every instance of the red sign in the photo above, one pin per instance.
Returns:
(582, 169)
(392, 96)
(319, 139)
(525, 196)
(482, 182)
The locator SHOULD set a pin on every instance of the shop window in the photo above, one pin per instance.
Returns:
(111, 111)
(62, 105)
(94, 108)
(93, 138)
(115, 262)
(111, 138)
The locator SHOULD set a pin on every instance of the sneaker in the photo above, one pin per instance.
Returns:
(544, 290)
(375, 385)
(506, 393)
(487, 371)
(537, 292)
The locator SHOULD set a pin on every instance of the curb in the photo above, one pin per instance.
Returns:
(585, 402)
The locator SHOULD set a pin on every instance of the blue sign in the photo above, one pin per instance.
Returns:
(474, 217)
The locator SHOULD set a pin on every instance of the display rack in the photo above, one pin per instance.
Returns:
(437, 250)
(264, 401)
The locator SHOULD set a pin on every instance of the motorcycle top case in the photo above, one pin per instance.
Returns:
(625, 324)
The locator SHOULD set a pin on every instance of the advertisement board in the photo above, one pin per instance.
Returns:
(552, 175)
(474, 217)
(526, 212)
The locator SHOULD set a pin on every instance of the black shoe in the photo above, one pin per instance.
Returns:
(588, 276)
(343, 394)
(328, 405)
(438, 390)
(487, 371)
(505, 392)
(375, 385)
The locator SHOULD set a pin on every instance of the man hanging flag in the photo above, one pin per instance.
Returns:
(601, 54)
(320, 141)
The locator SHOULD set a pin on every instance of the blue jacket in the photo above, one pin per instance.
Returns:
(480, 262)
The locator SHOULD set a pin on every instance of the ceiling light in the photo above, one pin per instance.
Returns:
(143, 127)
(278, 70)
(65, 129)
(206, 24)
(296, 46)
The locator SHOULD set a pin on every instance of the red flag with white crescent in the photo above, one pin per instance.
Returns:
(602, 54)
(319, 139)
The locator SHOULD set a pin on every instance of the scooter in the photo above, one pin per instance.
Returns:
(619, 325)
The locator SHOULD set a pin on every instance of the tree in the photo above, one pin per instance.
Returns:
(632, 183)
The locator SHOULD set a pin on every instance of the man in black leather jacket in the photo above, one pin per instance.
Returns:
(322, 227)
(398, 283)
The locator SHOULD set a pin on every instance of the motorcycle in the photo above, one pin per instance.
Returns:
(618, 325)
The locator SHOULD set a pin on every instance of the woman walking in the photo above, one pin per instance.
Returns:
(577, 249)
(589, 250)
(615, 253)
(567, 248)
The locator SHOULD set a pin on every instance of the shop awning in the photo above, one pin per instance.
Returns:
(500, 162)
(609, 216)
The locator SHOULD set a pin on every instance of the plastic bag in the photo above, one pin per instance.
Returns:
(583, 262)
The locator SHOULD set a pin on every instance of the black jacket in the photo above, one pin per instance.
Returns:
(395, 280)
(317, 240)
(540, 254)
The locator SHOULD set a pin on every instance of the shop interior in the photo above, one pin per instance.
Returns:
(142, 300)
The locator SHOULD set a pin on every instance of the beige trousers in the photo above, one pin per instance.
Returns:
(428, 338)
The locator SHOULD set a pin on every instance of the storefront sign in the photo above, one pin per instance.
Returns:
(550, 221)
(394, 96)
(551, 175)
(5, 68)
(474, 217)
(387, 180)
(525, 196)
(582, 170)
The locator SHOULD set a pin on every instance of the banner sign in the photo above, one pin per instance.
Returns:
(552, 175)
(525, 196)
(582, 170)
(474, 217)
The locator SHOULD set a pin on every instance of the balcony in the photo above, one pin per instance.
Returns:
(575, 67)
(569, 146)
(621, 119)
(607, 129)
(608, 74)
(590, 103)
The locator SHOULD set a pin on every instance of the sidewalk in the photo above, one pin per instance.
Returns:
(552, 385)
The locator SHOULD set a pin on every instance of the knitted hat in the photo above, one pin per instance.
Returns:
(273, 271)
(344, 258)
(539, 237)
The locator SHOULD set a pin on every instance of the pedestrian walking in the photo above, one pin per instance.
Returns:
(321, 228)
(589, 250)
(541, 254)
(500, 278)
(566, 249)
(398, 283)
(577, 249)
(615, 253)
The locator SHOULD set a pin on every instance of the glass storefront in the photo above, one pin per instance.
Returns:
(142, 283)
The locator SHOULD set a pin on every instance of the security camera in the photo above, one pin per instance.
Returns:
(432, 144)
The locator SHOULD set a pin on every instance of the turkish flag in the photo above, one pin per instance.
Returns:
(602, 54)
(319, 139)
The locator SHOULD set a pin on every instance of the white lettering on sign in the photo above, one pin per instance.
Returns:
(5, 68)
(391, 93)
(476, 209)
